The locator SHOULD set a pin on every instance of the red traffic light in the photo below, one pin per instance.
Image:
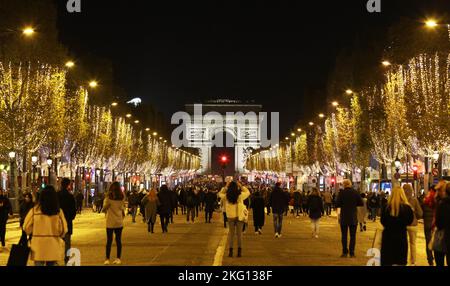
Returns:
(224, 159)
(332, 180)
(415, 168)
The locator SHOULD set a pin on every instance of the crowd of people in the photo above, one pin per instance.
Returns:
(46, 219)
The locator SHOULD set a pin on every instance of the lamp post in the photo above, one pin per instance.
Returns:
(12, 180)
(34, 160)
(49, 164)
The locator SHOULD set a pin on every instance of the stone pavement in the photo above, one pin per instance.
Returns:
(201, 244)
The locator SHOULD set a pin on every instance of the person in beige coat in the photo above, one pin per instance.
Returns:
(48, 225)
(114, 207)
(234, 195)
(412, 229)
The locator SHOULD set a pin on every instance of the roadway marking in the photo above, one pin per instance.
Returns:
(221, 249)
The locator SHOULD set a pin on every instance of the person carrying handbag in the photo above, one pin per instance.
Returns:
(234, 195)
(48, 225)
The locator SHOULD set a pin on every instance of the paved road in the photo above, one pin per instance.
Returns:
(201, 244)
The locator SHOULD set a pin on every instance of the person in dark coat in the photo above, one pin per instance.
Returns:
(174, 198)
(315, 209)
(297, 202)
(69, 207)
(133, 203)
(5, 212)
(25, 206)
(182, 199)
(210, 203)
(429, 207)
(395, 218)
(165, 208)
(79, 200)
(443, 223)
(278, 202)
(257, 205)
(347, 203)
(190, 205)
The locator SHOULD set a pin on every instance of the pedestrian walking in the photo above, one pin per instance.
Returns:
(429, 207)
(25, 206)
(362, 213)
(190, 205)
(328, 200)
(151, 204)
(174, 203)
(278, 202)
(297, 203)
(48, 225)
(68, 205)
(395, 218)
(114, 207)
(442, 224)
(315, 210)
(257, 205)
(133, 203)
(347, 202)
(234, 195)
(373, 204)
(79, 198)
(165, 207)
(412, 229)
(210, 203)
(5, 212)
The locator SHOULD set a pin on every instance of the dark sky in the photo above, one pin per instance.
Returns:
(277, 53)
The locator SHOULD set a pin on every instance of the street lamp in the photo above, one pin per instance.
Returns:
(155, 133)
(93, 84)
(349, 92)
(293, 134)
(136, 121)
(34, 160)
(398, 164)
(321, 115)
(114, 104)
(335, 103)
(49, 163)
(435, 155)
(431, 23)
(311, 123)
(147, 129)
(299, 130)
(28, 31)
(386, 63)
(70, 64)
(128, 115)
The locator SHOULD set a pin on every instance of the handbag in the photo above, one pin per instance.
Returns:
(437, 242)
(244, 214)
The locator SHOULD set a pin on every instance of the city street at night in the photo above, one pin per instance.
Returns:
(202, 244)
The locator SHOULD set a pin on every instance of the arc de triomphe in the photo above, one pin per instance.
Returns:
(220, 117)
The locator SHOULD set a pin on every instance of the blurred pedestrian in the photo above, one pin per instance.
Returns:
(315, 210)
(165, 207)
(362, 213)
(25, 206)
(48, 225)
(278, 202)
(257, 205)
(442, 224)
(429, 207)
(151, 204)
(210, 203)
(69, 207)
(5, 212)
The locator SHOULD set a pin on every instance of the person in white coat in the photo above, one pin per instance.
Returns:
(234, 195)
(48, 225)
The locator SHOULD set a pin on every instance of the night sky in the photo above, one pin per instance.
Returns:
(278, 53)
